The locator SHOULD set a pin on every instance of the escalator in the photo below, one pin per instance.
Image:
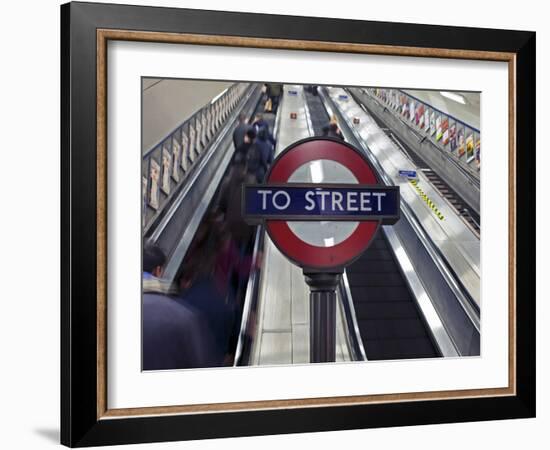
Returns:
(389, 321)
(390, 324)
(317, 112)
(466, 212)
(206, 255)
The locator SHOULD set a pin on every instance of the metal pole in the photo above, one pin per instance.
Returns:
(322, 319)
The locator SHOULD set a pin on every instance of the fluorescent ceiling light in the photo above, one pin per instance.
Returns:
(218, 96)
(456, 97)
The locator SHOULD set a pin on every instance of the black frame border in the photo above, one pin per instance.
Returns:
(79, 423)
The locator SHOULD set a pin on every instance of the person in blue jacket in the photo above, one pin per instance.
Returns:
(260, 156)
(174, 334)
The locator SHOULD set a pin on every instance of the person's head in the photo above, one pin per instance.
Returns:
(258, 117)
(153, 259)
(242, 118)
(334, 127)
(250, 135)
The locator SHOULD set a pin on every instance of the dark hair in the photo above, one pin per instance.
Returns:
(153, 256)
(242, 117)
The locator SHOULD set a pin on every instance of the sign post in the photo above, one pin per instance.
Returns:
(322, 320)
(361, 203)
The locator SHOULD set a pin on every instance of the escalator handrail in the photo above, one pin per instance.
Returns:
(356, 342)
(170, 271)
(251, 296)
(198, 163)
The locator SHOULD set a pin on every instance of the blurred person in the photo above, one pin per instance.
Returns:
(260, 156)
(241, 152)
(274, 91)
(174, 335)
(205, 290)
(240, 130)
(259, 124)
(231, 203)
(332, 129)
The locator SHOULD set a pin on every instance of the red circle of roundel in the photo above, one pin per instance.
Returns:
(302, 253)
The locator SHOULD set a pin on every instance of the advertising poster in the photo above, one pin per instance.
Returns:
(166, 165)
(154, 175)
(143, 198)
(207, 126)
(419, 116)
(184, 151)
(432, 123)
(192, 152)
(205, 131)
(412, 110)
(478, 153)
(438, 128)
(427, 119)
(470, 146)
(217, 114)
(445, 129)
(176, 152)
(211, 122)
(452, 137)
(461, 143)
(198, 136)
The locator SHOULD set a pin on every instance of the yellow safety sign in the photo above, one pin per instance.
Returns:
(427, 199)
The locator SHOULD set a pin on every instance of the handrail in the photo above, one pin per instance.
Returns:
(357, 348)
(450, 276)
(167, 166)
(182, 245)
(251, 295)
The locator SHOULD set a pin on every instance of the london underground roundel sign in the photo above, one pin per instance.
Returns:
(321, 202)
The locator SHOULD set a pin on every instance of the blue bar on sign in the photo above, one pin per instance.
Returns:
(294, 201)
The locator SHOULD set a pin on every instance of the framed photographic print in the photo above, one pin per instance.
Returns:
(279, 224)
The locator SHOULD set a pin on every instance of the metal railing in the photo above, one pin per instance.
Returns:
(167, 165)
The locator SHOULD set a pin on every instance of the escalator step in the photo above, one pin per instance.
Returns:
(399, 349)
(385, 310)
(375, 279)
(372, 266)
(362, 294)
(391, 328)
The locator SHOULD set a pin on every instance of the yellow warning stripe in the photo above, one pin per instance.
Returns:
(427, 199)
